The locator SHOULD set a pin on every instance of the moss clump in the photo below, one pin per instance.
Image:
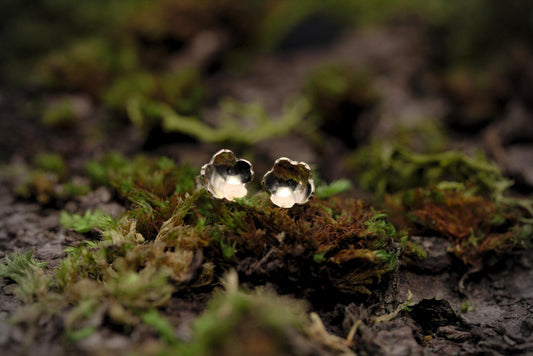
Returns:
(355, 245)
(476, 226)
(28, 274)
(60, 115)
(386, 169)
(39, 186)
(181, 89)
(324, 191)
(259, 322)
(157, 178)
(152, 186)
(84, 223)
(46, 181)
(240, 323)
(88, 66)
(50, 162)
(240, 123)
(449, 194)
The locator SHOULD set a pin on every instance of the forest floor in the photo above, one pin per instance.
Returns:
(487, 312)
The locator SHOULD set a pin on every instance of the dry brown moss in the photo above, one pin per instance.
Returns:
(476, 226)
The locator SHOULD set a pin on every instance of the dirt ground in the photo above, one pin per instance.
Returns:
(498, 318)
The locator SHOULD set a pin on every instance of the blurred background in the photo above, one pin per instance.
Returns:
(337, 84)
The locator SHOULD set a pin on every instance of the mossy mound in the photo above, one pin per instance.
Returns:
(476, 226)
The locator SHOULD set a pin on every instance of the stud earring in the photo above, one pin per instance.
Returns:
(225, 176)
(289, 182)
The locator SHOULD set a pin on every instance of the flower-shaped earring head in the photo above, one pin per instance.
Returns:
(289, 182)
(225, 176)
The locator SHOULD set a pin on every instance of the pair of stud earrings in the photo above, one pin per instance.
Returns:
(288, 182)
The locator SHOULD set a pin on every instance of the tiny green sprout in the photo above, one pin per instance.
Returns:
(60, 115)
(83, 333)
(228, 249)
(473, 239)
(464, 307)
(201, 223)
(497, 219)
(50, 162)
(246, 202)
(319, 257)
(524, 232)
(18, 265)
(334, 188)
(74, 189)
(380, 226)
(160, 324)
(85, 223)
(31, 281)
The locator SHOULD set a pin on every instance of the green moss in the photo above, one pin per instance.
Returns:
(59, 115)
(47, 181)
(27, 273)
(395, 168)
(17, 266)
(74, 189)
(50, 162)
(37, 185)
(159, 323)
(98, 171)
(89, 65)
(85, 223)
(239, 322)
(153, 186)
(83, 333)
(181, 90)
(139, 84)
(411, 251)
(334, 188)
(343, 232)
(142, 179)
(239, 123)
(228, 250)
